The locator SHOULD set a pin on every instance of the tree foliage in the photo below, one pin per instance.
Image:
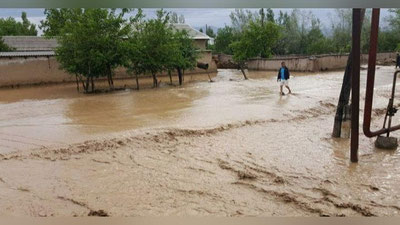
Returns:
(3, 46)
(256, 41)
(224, 38)
(155, 46)
(151, 46)
(302, 33)
(389, 38)
(10, 27)
(175, 18)
(241, 18)
(56, 19)
(91, 44)
(210, 32)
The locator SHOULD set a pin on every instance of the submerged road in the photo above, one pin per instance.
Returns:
(228, 148)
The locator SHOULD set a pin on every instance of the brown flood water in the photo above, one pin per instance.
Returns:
(227, 148)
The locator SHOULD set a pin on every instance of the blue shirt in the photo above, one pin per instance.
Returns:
(282, 73)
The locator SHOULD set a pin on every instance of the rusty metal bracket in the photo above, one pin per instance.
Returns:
(390, 111)
(370, 84)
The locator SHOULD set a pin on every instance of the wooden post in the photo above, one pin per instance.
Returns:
(344, 92)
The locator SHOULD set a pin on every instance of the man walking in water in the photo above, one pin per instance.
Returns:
(283, 78)
(398, 60)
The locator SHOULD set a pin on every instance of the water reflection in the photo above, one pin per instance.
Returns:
(131, 109)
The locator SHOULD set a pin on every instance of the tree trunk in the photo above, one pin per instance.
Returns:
(344, 92)
(155, 82)
(77, 82)
(137, 81)
(180, 75)
(92, 84)
(111, 82)
(83, 83)
(88, 80)
(87, 84)
(241, 69)
(170, 76)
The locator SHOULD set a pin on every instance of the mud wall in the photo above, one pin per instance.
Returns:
(16, 71)
(201, 43)
(31, 70)
(224, 61)
(315, 63)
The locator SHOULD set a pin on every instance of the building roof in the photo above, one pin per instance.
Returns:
(34, 45)
(30, 43)
(193, 33)
(27, 54)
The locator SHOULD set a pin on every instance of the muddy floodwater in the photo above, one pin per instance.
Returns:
(231, 147)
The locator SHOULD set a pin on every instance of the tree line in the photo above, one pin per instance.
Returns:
(94, 42)
(299, 32)
(11, 27)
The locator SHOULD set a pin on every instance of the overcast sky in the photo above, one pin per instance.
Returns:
(196, 17)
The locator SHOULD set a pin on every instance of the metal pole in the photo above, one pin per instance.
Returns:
(369, 92)
(355, 83)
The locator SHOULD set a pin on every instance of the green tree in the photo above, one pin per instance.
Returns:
(210, 32)
(152, 47)
(224, 38)
(280, 48)
(394, 19)
(341, 30)
(184, 55)
(389, 37)
(241, 18)
(177, 19)
(256, 41)
(91, 45)
(3, 46)
(270, 15)
(10, 27)
(262, 16)
(56, 19)
(388, 40)
(302, 34)
(293, 38)
(316, 42)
